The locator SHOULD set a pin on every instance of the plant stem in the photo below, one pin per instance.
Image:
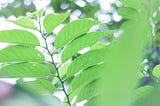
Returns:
(53, 63)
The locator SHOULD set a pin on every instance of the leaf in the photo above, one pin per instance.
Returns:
(86, 77)
(122, 62)
(86, 60)
(20, 54)
(154, 5)
(63, 69)
(137, 4)
(141, 93)
(89, 91)
(150, 97)
(156, 71)
(128, 13)
(25, 22)
(37, 14)
(39, 86)
(92, 102)
(24, 70)
(51, 21)
(98, 45)
(82, 42)
(72, 30)
(20, 37)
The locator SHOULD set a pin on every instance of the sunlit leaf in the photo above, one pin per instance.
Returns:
(25, 70)
(72, 30)
(20, 54)
(86, 77)
(82, 42)
(84, 61)
(51, 21)
(37, 14)
(20, 37)
(25, 22)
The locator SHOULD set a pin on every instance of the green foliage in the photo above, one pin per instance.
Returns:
(86, 60)
(25, 70)
(86, 40)
(39, 86)
(73, 30)
(128, 13)
(156, 71)
(25, 22)
(86, 77)
(115, 61)
(19, 37)
(19, 53)
(86, 95)
(51, 21)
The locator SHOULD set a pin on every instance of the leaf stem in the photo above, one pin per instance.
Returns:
(53, 63)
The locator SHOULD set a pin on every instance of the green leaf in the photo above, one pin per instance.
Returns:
(63, 69)
(82, 42)
(92, 102)
(137, 4)
(72, 30)
(122, 62)
(20, 37)
(25, 70)
(98, 45)
(20, 54)
(51, 21)
(25, 22)
(86, 60)
(86, 77)
(141, 93)
(150, 97)
(128, 13)
(156, 71)
(38, 86)
(154, 5)
(37, 14)
(89, 91)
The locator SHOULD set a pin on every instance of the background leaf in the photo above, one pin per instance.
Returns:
(128, 13)
(156, 71)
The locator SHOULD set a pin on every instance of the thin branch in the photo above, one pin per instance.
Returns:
(52, 62)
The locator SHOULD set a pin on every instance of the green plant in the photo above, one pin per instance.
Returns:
(79, 75)
(21, 59)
